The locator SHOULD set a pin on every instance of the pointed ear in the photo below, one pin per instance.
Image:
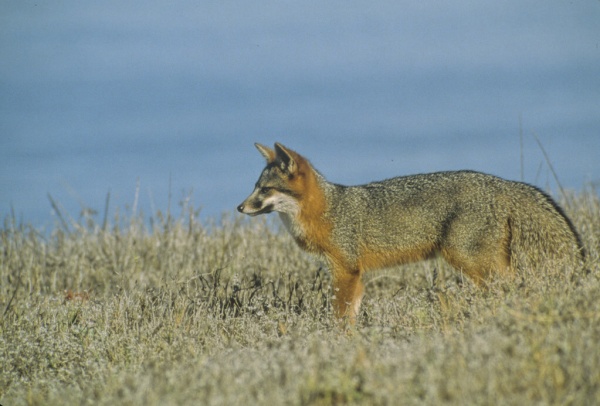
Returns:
(286, 157)
(267, 152)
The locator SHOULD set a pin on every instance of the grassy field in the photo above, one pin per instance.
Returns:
(173, 312)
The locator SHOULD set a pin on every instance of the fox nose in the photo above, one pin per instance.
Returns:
(240, 208)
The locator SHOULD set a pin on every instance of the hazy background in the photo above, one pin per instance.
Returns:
(98, 96)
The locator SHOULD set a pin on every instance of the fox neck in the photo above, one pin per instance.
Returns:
(308, 224)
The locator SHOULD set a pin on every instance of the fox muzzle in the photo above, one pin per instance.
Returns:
(242, 208)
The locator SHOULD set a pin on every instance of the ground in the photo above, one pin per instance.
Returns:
(175, 311)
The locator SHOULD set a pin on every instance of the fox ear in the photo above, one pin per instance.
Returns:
(267, 152)
(286, 157)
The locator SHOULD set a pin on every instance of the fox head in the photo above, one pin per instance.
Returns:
(277, 188)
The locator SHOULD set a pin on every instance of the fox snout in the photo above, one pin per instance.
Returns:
(254, 205)
(242, 208)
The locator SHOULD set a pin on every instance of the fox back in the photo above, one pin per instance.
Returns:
(479, 223)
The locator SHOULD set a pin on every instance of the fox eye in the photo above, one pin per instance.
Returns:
(265, 189)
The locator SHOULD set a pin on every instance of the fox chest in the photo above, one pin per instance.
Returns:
(305, 236)
(295, 229)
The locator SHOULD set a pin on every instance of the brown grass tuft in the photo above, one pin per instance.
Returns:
(232, 312)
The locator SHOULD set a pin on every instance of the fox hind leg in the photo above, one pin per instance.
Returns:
(483, 255)
(482, 266)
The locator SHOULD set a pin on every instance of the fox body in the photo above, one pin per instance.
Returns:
(480, 224)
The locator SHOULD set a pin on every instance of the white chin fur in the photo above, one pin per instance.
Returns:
(283, 204)
(288, 209)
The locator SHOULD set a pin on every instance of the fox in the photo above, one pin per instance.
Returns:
(481, 224)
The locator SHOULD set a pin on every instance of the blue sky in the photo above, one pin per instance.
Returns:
(95, 96)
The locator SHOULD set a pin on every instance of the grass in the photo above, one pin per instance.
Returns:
(179, 312)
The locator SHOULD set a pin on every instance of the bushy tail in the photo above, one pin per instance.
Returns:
(542, 236)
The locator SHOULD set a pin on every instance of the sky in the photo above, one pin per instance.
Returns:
(100, 97)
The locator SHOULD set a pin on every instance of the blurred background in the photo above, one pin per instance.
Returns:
(165, 99)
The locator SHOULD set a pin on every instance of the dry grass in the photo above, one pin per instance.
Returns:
(233, 313)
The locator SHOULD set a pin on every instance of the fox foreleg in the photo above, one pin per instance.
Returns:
(348, 293)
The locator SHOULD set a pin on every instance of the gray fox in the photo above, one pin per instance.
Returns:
(479, 223)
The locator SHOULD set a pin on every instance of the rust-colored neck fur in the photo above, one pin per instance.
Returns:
(311, 228)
